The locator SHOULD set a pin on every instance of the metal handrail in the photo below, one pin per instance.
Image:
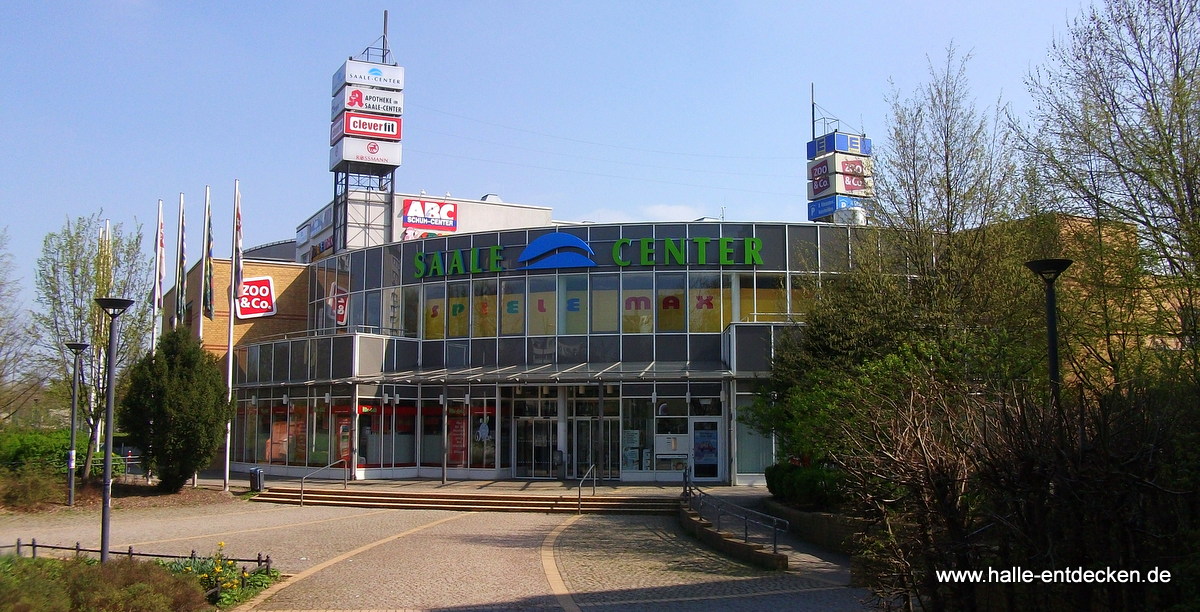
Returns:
(579, 491)
(345, 479)
(697, 500)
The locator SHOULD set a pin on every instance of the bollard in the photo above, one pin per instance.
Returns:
(131, 553)
(18, 547)
(33, 548)
(76, 550)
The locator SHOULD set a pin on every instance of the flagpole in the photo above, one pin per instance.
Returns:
(204, 263)
(235, 278)
(180, 271)
(159, 264)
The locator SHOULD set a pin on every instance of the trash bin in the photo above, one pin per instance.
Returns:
(258, 480)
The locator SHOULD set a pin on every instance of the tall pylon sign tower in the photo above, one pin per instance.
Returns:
(364, 140)
(839, 174)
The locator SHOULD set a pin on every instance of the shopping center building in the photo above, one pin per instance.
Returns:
(424, 337)
(534, 352)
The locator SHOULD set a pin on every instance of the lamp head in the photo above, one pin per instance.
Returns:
(114, 306)
(1049, 269)
(77, 347)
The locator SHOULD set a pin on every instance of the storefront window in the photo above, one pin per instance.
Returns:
(669, 301)
(573, 303)
(512, 302)
(484, 428)
(754, 450)
(412, 311)
(704, 302)
(770, 297)
(435, 311)
(393, 311)
(403, 442)
(297, 439)
(637, 434)
(458, 310)
(542, 306)
(483, 308)
(318, 454)
(371, 319)
(605, 304)
(637, 305)
(431, 434)
(745, 297)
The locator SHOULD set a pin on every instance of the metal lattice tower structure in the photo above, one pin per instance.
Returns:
(363, 193)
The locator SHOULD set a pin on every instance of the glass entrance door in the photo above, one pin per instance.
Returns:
(706, 447)
(536, 439)
(595, 441)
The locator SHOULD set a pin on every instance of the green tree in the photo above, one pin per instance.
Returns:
(85, 260)
(20, 384)
(176, 407)
(1115, 132)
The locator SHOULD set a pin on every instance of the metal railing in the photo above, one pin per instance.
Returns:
(262, 564)
(579, 491)
(718, 509)
(345, 477)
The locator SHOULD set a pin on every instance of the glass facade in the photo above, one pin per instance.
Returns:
(532, 357)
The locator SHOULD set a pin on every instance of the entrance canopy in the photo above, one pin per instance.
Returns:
(622, 371)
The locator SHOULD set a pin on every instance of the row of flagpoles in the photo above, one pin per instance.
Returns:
(206, 291)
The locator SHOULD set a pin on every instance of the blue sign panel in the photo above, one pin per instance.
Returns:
(825, 206)
(839, 142)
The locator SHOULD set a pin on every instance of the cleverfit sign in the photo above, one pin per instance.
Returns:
(560, 250)
(361, 124)
(354, 72)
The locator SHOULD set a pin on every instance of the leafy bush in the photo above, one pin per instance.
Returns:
(53, 585)
(30, 486)
(808, 487)
(48, 450)
(233, 585)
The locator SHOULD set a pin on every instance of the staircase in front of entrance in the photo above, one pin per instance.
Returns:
(476, 502)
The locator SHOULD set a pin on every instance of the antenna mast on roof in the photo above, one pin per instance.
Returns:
(378, 52)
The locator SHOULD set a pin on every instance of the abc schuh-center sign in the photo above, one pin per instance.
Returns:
(368, 99)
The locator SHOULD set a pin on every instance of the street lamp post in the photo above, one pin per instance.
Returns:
(1049, 270)
(78, 348)
(113, 307)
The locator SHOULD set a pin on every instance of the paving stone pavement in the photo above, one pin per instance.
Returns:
(371, 559)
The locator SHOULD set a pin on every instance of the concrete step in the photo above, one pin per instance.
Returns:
(479, 502)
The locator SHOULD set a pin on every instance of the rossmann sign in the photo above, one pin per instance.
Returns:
(559, 250)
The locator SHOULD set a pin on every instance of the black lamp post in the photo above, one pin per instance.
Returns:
(78, 348)
(1049, 270)
(113, 307)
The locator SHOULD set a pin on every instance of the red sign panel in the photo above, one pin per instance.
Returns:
(257, 298)
(371, 126)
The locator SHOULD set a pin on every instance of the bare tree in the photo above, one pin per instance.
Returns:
(1117, 131)
(20, 383)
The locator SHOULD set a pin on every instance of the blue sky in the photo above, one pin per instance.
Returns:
(605, 111)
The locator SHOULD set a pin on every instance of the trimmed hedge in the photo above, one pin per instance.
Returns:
(808, 487)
